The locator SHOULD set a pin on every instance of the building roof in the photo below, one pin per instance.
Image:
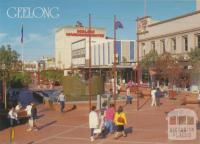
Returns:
(63, 27)
(175, 18)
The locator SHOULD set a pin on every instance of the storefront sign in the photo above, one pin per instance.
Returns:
(182, 124)
(85, 33)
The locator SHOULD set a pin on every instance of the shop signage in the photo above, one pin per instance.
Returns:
(85, 33)
(182, 124)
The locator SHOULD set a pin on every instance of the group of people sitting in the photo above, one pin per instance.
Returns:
(18, 112)
(107, 121)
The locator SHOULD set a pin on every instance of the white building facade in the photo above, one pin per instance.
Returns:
(178, 35)
(75, 38)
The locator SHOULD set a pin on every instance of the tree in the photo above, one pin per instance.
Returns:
(149, 60)
(168, 68)
(8, 57)
(52, 75)
(194, 58)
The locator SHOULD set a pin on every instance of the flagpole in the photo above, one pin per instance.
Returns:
(90, 72)
(115, 67)
(138, 65)
(22, 47)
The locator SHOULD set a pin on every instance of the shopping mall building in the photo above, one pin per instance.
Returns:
(177, 35)
(72, 50)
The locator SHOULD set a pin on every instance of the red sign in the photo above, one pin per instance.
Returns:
(85, 33)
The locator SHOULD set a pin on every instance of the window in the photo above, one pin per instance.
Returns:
(185, 43)
(99, 53)
(143, 49)
(108, 53)
(173, 44)
(162, 45)
(198, 40)
(153, 45)
(94, 55)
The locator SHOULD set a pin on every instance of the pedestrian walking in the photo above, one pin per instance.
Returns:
(93, 122)
(153, 97)
(120, 122)
(109, 118)
(12, 116)
(158, 95)
(32, 115)
(61, 99)
(17, 109)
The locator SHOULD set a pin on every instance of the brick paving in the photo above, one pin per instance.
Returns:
(149, 126)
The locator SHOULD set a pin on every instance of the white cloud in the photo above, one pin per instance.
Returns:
(2, 36)
(35, 45)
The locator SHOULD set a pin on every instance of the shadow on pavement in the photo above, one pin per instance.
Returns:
(46, 125)
(71, 109)
(128, 130)
(145, 102)
(40, 116)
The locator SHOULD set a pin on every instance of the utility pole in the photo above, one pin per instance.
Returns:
(90, 72)
(115, 65)
(138, 65)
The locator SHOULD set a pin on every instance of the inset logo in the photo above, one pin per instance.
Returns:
(182, 124)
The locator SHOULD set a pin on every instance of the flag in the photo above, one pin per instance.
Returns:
(79, 24)
(118, 24)
(22, 35)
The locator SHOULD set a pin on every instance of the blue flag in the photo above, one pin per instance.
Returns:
(78, 23)
(22, 35)
(118, 24)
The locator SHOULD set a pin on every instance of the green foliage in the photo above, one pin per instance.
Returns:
(8, 56)
(20, 79)
(149, 60)
(76, 89)
(52, 75)
(194, 55)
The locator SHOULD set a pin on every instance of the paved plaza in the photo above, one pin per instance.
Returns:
(148, 125)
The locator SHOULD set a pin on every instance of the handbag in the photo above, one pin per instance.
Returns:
(97, 130)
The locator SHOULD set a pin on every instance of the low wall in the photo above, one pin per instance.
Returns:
(75, 105)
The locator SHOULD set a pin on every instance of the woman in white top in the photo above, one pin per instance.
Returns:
(93, 122)
(12, 116)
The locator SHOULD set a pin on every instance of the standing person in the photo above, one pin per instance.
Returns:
(109, 117)
(34, 115)
(158, 95)
(153, 96)
(61, 99)
(120, 122)
(12, 116)
(17, 109)
(93, 122)
(29, 114)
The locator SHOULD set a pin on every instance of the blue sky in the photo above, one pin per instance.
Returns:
(39, 33)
